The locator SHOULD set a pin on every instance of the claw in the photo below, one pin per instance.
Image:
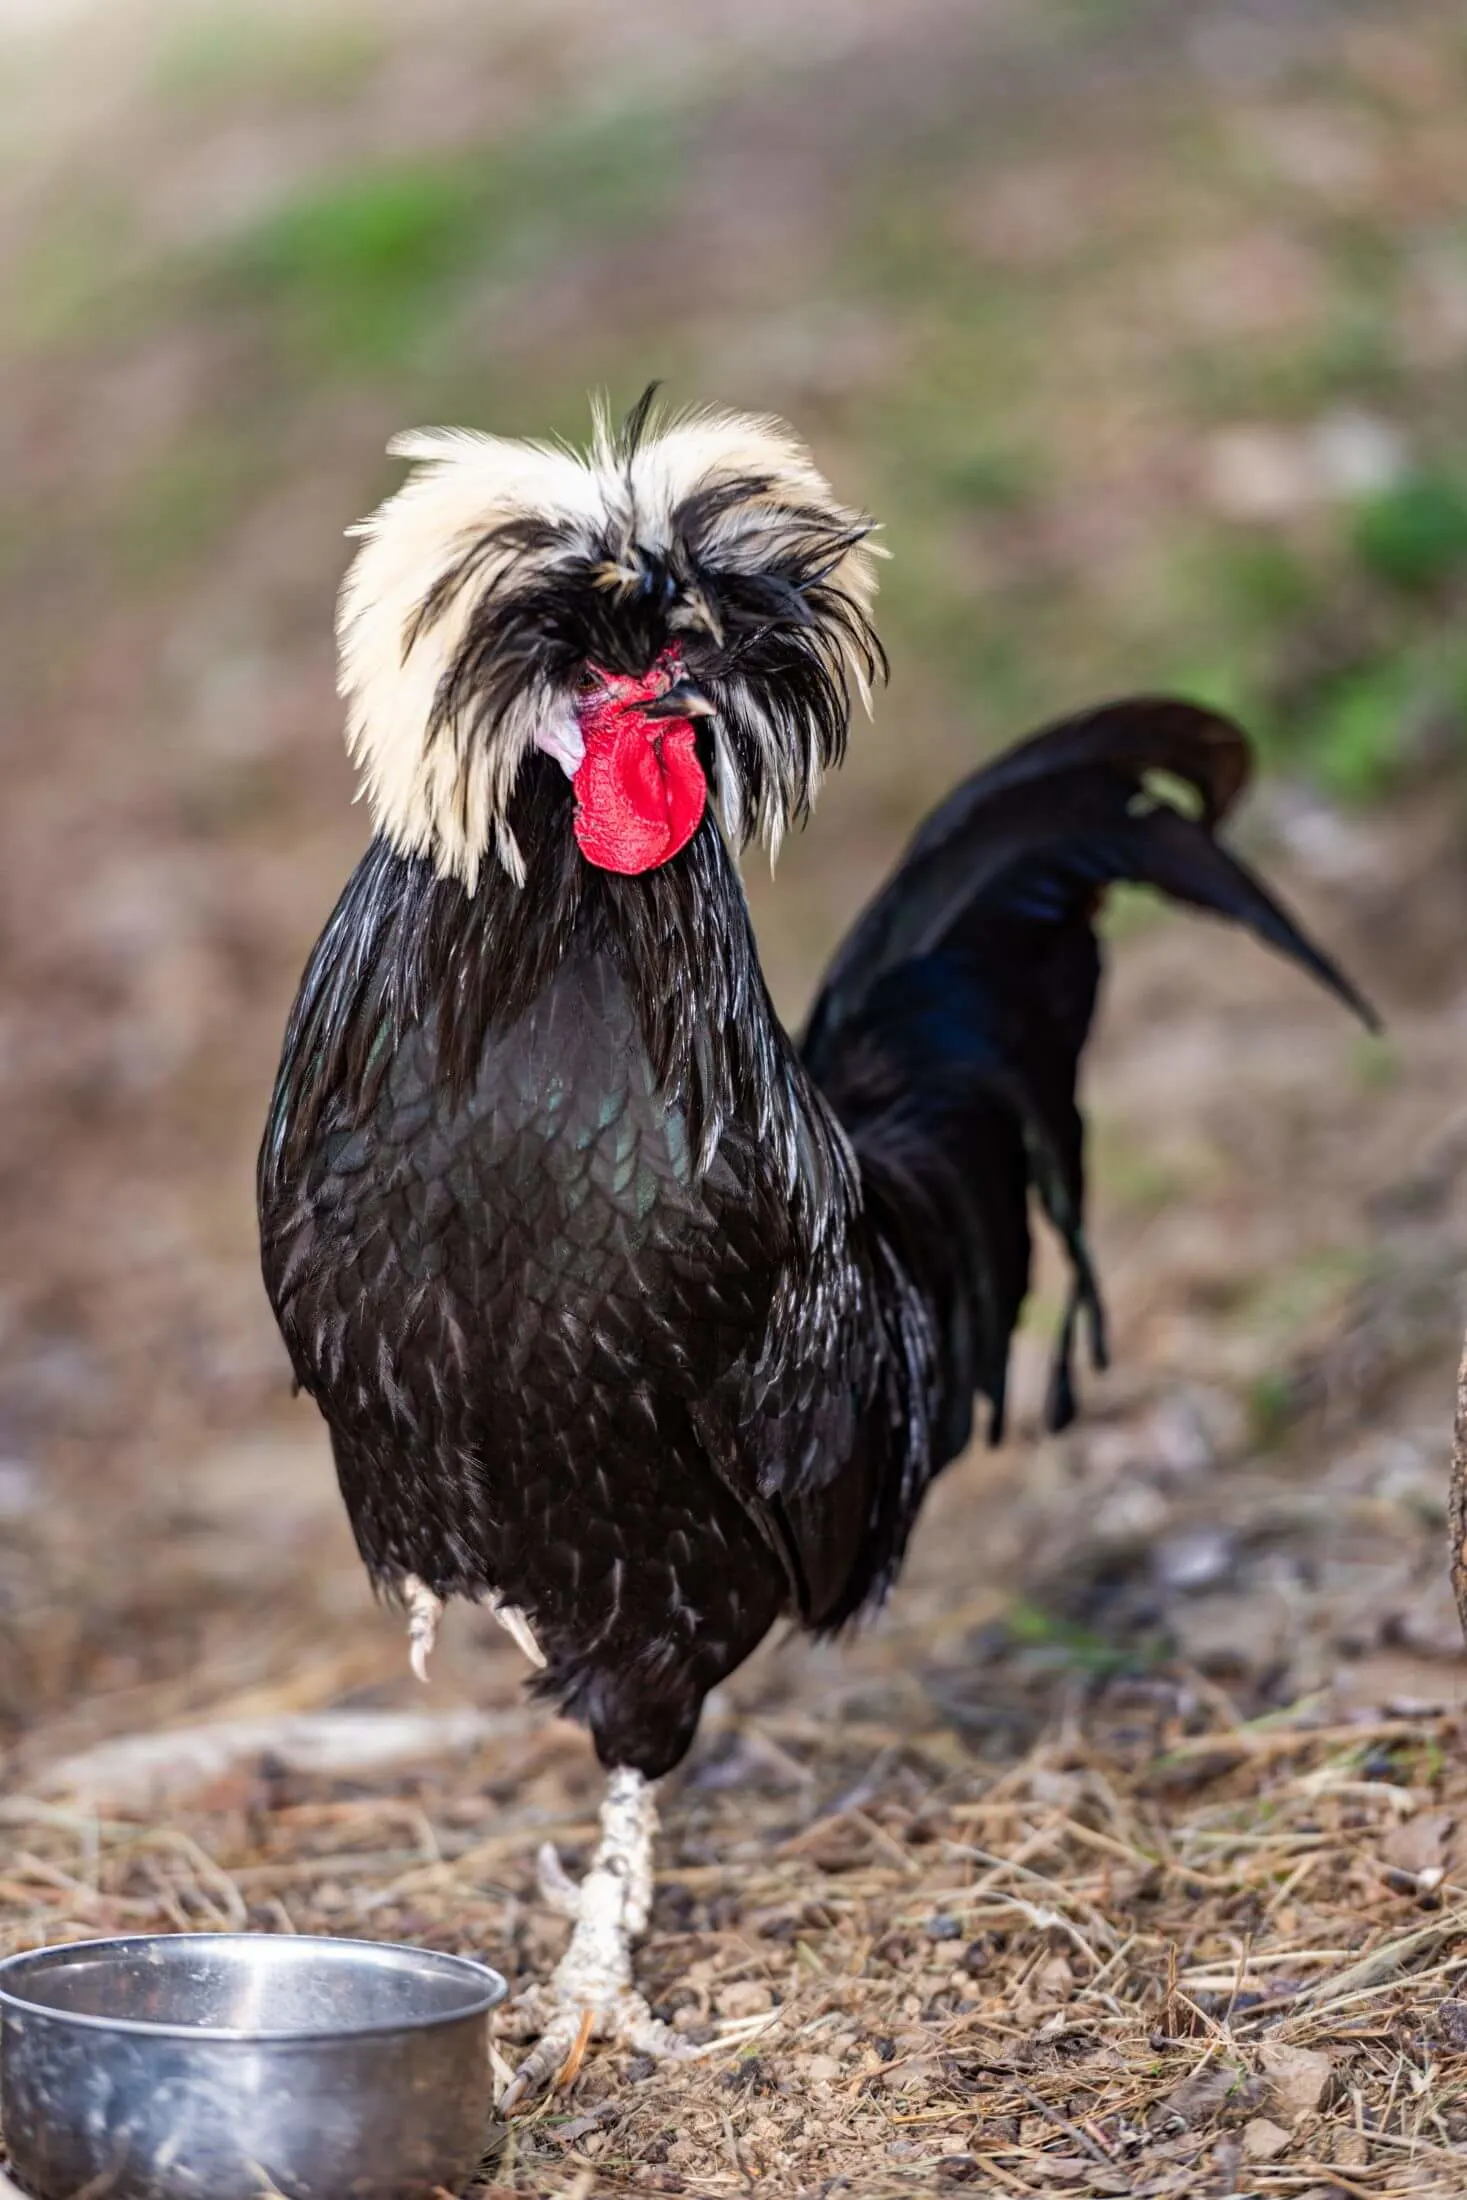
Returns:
(518, 1629)
(558, 1891)
(556, 2055)
(424, 1609)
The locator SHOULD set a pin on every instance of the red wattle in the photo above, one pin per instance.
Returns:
(640, 790)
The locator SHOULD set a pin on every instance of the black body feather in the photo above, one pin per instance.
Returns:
(623, 1307)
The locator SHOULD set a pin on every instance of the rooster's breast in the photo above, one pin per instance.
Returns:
(512, 1305)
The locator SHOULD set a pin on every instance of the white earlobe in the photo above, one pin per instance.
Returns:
(559, 735)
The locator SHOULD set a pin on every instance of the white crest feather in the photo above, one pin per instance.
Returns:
(443, 791)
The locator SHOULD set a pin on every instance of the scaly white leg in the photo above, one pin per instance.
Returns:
(611, 1907)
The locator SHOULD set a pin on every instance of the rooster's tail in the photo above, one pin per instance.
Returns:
(948, 1033)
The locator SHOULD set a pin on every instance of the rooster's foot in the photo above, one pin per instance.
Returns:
(591, 1994)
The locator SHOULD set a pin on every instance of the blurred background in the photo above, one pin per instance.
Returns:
(1142, 326)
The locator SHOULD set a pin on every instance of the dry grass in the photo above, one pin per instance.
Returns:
(1162, 1951)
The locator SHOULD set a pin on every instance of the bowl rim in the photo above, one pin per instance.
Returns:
(493, 1987)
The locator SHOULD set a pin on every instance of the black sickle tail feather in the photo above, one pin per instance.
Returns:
(948, 1034)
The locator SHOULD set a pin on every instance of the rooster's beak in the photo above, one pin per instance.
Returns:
(681, 700)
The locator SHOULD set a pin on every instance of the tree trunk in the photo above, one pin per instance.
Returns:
(1457, 1502)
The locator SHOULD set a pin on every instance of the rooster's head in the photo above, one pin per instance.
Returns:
(684, 605)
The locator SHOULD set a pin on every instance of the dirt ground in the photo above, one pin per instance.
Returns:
(1126, 1852)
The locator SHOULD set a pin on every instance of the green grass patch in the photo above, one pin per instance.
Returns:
(1353, 739)
(371, 269)
(355, 268)
(1413, 537)
(1065, 1643)
(988, 477)
(1360, 732)
(1375, 1060)
(1262, 580)
(1272, 1406)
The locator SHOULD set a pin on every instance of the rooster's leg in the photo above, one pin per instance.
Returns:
(610, 1907)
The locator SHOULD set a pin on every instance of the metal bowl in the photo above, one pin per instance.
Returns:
(228, 2066)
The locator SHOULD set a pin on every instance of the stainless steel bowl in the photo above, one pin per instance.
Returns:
(227, 2066)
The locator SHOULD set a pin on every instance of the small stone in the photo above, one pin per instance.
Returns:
(20, 1489)
(745, 1997)
(1356, 454)
(1055, 1980)
(1199, 2097)
(1298, 2077)
(1419, 1844)
(1262, 2140)
(1257, 473)
(1194, 1559)
(911, 2074)
(821, 2069)
(1064, 1790)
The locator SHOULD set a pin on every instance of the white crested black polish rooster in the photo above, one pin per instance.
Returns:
(630, 1315)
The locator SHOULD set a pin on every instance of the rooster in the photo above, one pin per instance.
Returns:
(629, 1315)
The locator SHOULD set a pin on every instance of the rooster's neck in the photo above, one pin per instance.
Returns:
(407, 947)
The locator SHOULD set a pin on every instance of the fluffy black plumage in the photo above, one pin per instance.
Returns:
(624, 1307)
